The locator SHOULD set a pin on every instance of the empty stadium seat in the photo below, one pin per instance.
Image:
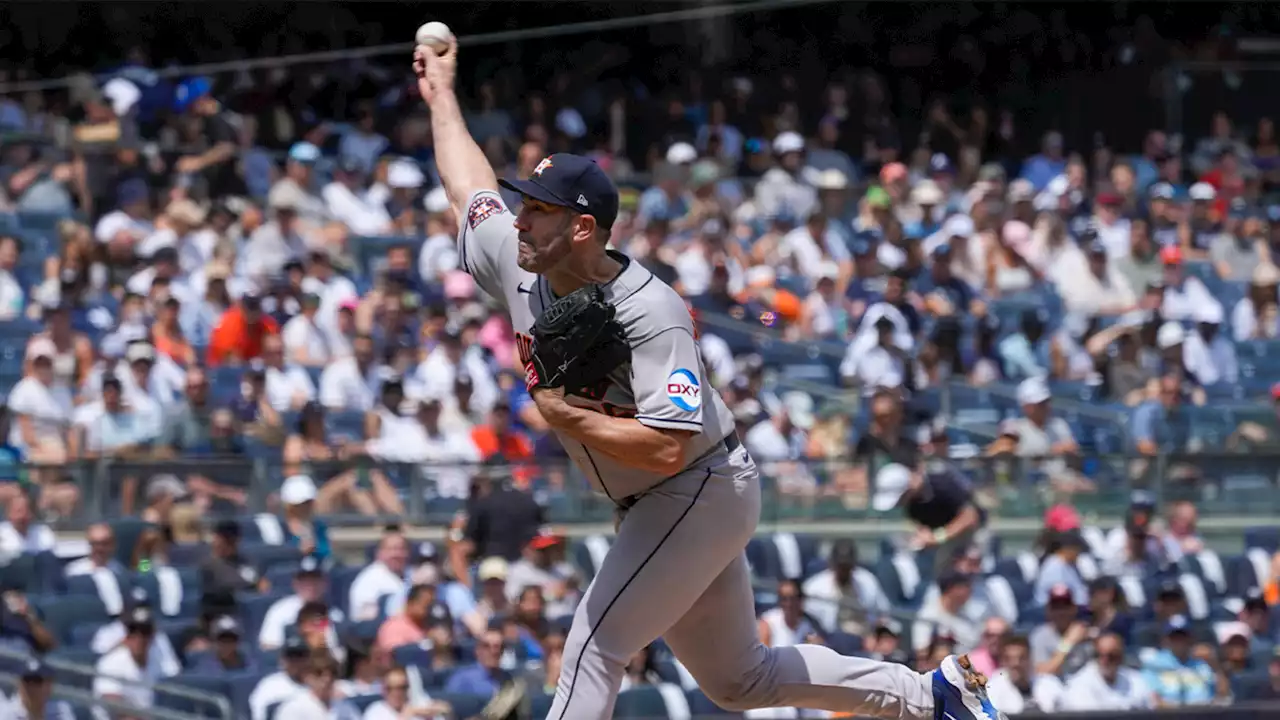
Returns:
(700, 705)
(652, 701)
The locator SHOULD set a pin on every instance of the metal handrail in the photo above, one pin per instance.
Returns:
(221, 703)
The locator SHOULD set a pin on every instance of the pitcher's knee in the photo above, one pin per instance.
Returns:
(753, 689)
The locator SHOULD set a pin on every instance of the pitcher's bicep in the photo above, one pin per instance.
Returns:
(487, 242)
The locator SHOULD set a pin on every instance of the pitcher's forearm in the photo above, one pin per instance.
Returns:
(462, 165)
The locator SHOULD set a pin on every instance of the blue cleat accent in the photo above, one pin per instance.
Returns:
(960, 692)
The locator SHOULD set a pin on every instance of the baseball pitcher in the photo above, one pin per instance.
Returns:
(612, 363)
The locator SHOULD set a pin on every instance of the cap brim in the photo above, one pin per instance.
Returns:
(886, 500)
(530, 188)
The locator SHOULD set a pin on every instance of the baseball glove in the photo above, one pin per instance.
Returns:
(576, 342)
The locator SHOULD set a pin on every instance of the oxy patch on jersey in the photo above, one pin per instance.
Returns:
(482, 208)
(683, 390)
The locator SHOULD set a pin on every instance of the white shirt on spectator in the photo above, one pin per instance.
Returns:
(1046, 693)
(368, 588)
(282, 386)
(766, 444)
(48, 407)
(139, 421)
(1115, 237)
(302, 333)
(1211, 363)
(354, 211)
(12, 299)
(283, 613)
(160, 653)
(436, 376)
(1085, 293)
(823, 597)
(274, 688)
(303, 706)
(442, 454)
(342, 387)
(875, 367)
(438, 256)
(179, 286)
(118, 674)
(810, 253)
(1181, 303)
(267, 250)
(718, 357)
(332, 293)
(1086, 690)
(38, 538)
(380, 710)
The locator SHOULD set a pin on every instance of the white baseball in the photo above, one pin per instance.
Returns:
(435, 36)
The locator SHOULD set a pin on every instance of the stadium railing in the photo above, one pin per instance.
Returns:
(73, 682)
(1222, 483)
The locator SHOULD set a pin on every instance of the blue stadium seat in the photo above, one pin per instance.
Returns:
(362, 702)
(211, 684)
(61, 658)
(62, 614)
(412, 656)
(647, 701)
(239, 686)
(340, 579)
(1266, 537)
(700, 705)
(254, 607)
(540, 704)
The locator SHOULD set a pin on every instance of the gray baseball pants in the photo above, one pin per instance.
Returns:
(678, 570)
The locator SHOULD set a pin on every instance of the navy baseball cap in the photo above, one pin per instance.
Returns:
(36, 669)
(573, 182)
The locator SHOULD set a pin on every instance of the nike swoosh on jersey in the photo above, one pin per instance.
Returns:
(523, 289)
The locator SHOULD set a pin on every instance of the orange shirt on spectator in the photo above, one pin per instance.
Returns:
(174, 346)
(514, 446)
(233, 337)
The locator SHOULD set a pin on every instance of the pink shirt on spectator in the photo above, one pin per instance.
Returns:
(397, 631)
(496, 336)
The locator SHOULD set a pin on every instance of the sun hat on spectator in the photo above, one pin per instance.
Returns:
(304, 152)
(831, 179)
(404, 175)
(890, 485)
(1033, 391)
(298, 489)
(1170, 335)
(141, 351)
(436, 201)
(703, 173)
(492, 568)
(1203, 192)
(788, 142)
(681, 153)
(1232, 630)
(286, 197)
(926, 192)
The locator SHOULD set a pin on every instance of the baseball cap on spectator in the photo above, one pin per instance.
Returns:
(304, 152)
(1177, 624)
(1161, 191)
(122, 94)
(189, 91)
(1232, 631)
(1255, 600)
(892, 172)
(1061, 594)
(139, 619)
(1061, 518)
(799, 407)
(297, 489)
(295, 647)
(545, 538)
(1033, 391)
(703, 173)
(891, 484)
(1171, 255)
(1170, 335)
(492, 568)
(131, 192)
(285, 197)
(436, 201)
(1170, 589)
(571, 181)
(459, 285)
(1021, 190)
(1109, 199)
(1207, 313)
(888, 626)
(404, 174)
(224, 626)
(926, 192)
(1203, 192)
(41, 348)
(991, 172)
(878, 197)
(939, 164)
(229, 529)
(309, 565)
(788, 142)
(681, 153)
(35, 669)
(165, 485)
(140, 352)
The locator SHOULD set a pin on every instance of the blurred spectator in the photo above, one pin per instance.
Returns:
(102, 555)
(396, 701)
(288, 386)
(127, 673)
(788, 624)
(305, 343)
(1019, 688)
(225, 572)
(1170, 603)
(1151, 428)
(1105, 683)
(309, 586)
(844, 596)
(1058, 570)
(32, 699)
(317, 698)
(284, 683)
(986, 655)
(227, 655)
(1207, 354)
(1255, 316)
(411, 625)
(384, 576)
(21, 533)
(1108, 610)
(21, 629)
(948, 614)
(1180, 536)
(484, 676)
(12, 298)
(40, 412)
(303, 529)
(941, 508)
(536, 568)
(239, 334)
(1060, 645)
(160, 650)
(1184, 295)
(1176, 675)
(350, 382)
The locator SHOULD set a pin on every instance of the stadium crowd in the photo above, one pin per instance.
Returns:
(191, 273)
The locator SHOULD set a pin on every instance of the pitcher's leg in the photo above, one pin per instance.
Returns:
(670, 547)
(717, 641)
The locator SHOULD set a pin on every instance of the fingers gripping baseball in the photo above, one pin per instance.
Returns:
(435, 71)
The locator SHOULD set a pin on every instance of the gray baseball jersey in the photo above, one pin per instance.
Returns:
(677, 568)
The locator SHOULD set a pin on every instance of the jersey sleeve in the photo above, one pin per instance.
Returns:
(487, 242)
(667, 380)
